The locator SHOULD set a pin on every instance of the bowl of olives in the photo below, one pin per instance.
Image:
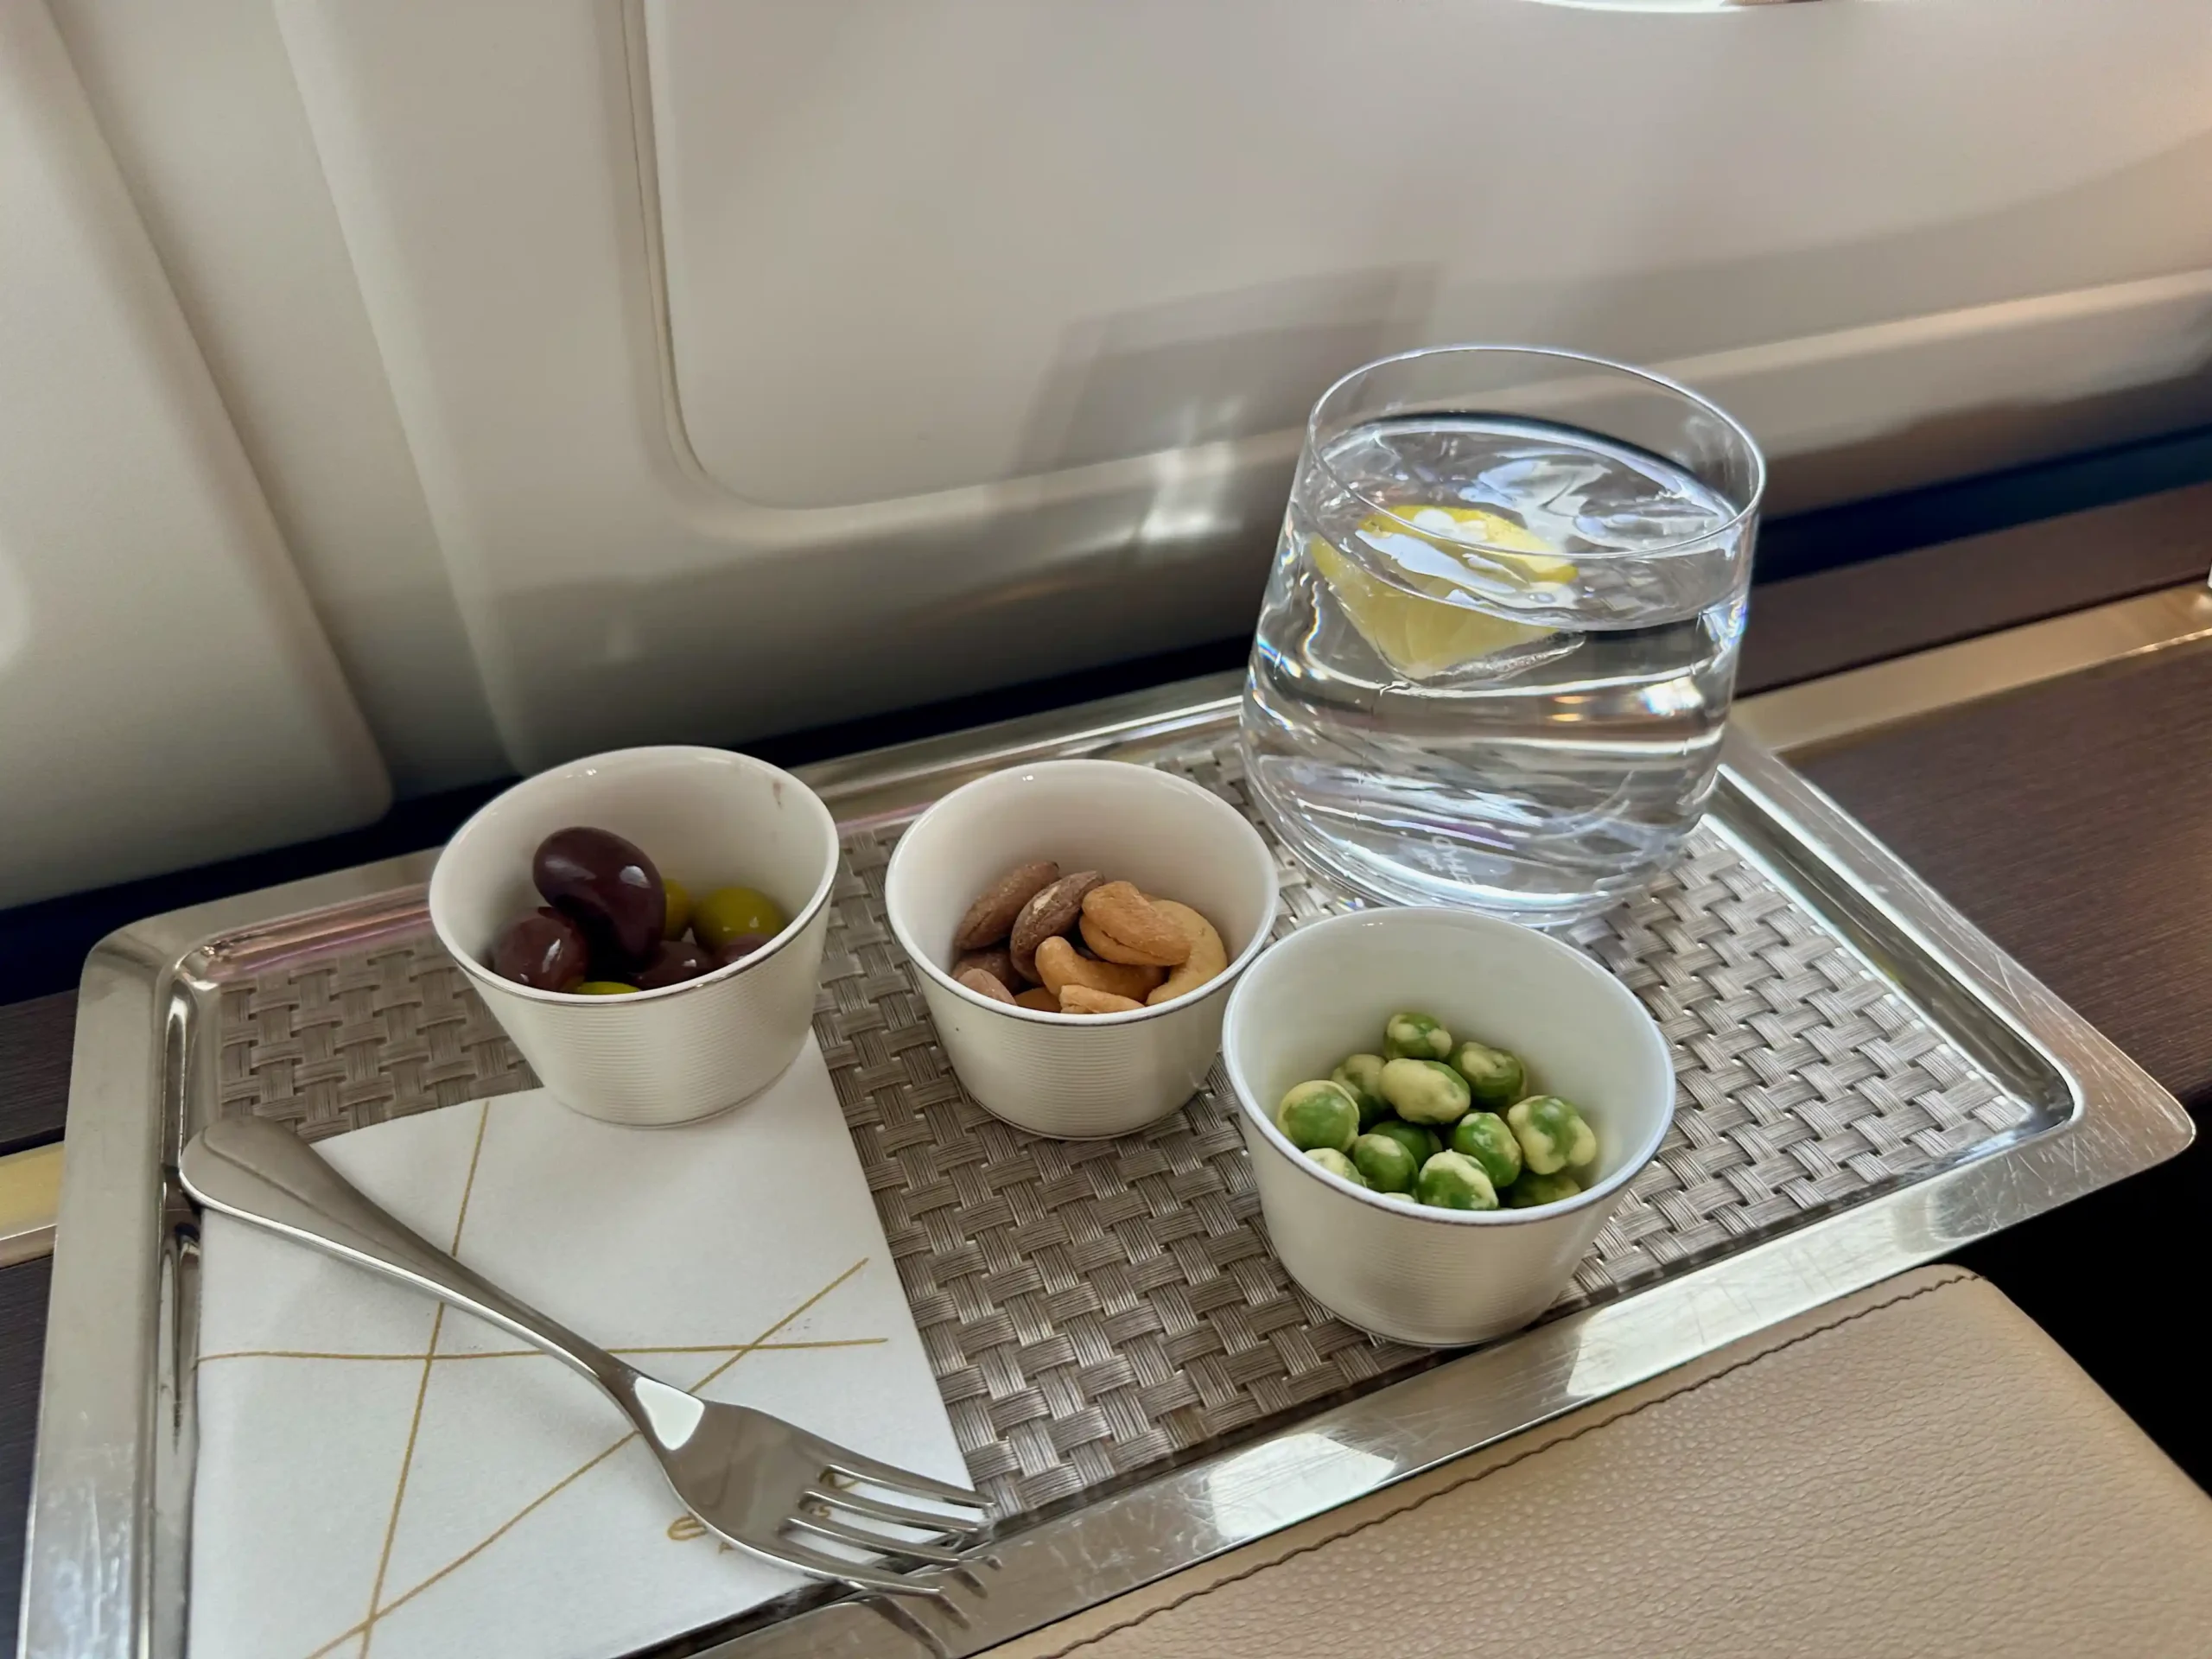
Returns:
(1442, 1111)
(646, 925)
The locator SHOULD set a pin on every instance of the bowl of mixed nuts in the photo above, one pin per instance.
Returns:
(1442, 1111)
(1077, 925)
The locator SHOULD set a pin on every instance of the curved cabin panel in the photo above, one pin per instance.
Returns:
(767, 364)
(914, 247)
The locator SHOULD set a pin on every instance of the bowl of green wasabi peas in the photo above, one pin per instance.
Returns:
(1442, 1111)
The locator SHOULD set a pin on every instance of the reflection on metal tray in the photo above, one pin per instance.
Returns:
(1865, 1082)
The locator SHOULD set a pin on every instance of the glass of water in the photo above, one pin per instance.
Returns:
(1499, 639)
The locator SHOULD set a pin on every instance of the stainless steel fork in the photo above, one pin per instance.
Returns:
(764, 1484)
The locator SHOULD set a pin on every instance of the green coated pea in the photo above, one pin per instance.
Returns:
(1484, 1137)
(1533, 1190)
(1425, 1091)
(1319, 1114)
(1410, 1036)
(1416, 1138)
(1494, 1078)
(1362, 1075)
(1449, 1181)
(1337, 1164)
(1552, 1134)
(1387, 1161)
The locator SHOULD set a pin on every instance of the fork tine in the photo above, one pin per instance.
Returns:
(846, 1461)
(875, 1509)
(845, 1571)
(830, 1527)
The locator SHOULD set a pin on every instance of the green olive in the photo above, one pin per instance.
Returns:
(728, 911)
(1494, 1078)
(1449, 1181)
(1410, 1036)
(1319, 1114)
(1387, 1162)
(1533, 1190)
(679, 910)
(1425, 1091)
(1361, 1074)
(1416, 1138)
(1484, 1137)
(1552, 1135)
(605, 987)
(1337, 1164)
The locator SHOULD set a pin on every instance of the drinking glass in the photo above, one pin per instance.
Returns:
(1495, 659)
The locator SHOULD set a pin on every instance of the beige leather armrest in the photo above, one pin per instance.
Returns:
(1914, 1470)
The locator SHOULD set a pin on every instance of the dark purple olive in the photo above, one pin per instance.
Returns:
(608, 885)
(673, 962)
(739, 949)
(545, 949)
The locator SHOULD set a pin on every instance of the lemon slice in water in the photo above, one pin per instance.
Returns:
(1417, 628)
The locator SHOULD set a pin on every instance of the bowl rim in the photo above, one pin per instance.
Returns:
(1389, 1203)
(1225, 980)
(729, 972)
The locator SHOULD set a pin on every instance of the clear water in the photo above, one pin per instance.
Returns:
(1530, 737)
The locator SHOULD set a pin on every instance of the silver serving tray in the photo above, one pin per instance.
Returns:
(112, 1492)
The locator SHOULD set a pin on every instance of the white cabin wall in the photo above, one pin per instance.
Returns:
(767, 364)
(615, 371)
(199, 106)
(166, 696)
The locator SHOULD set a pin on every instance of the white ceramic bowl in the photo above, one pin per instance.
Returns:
(1080, 1077)
(1439, 1277)
(706, 818)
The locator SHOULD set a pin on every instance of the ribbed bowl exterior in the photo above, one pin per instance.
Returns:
(1078, 1080)
(1403, 1276)
(673, 1061)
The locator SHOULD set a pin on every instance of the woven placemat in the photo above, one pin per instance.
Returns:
(1091, 1307)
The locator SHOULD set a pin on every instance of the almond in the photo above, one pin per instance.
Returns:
(997, 962)
(1053, 910)
(990, 918)
(985, 984)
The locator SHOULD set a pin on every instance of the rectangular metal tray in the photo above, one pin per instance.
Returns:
(1866, 1083)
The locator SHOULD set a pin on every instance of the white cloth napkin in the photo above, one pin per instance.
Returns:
(353, 1498)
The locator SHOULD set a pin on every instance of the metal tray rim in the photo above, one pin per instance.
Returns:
(99, 1550)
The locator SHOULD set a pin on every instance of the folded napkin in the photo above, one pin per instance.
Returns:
(354, 1497)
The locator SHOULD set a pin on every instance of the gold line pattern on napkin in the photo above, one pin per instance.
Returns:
(422, 1390)
(539, 1353)
(760, 1343)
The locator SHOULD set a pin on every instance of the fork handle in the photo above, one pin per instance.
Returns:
(268, 1176)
